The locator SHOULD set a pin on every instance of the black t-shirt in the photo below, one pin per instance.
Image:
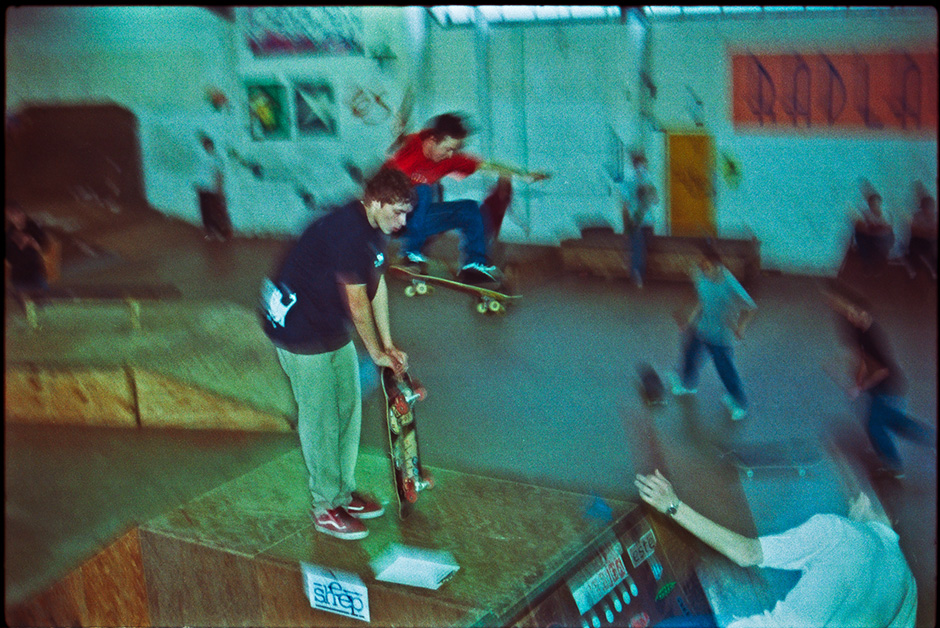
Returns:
(873, 347)
(304, 307)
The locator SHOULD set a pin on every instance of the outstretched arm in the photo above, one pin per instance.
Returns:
(657, 491)
(510, 171)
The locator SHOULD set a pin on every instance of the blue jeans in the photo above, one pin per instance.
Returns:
(721, 356)
(638, 236)
(886, 415)
(430, 218)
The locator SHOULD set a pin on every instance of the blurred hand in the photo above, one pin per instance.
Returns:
(656, 490)
(538, 176)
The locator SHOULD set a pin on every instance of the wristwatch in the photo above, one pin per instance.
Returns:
(671, 511)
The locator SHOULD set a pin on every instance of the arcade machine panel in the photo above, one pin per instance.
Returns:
(636, 574)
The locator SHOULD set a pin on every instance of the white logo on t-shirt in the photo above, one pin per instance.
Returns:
(273, 300)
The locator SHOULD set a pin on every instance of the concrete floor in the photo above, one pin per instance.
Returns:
(546, 394)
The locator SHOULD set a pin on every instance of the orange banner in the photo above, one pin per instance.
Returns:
(852, 92)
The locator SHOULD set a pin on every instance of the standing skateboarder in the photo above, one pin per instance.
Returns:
(330, 278)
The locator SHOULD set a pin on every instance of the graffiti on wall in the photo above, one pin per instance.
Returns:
(894, 91)
(289, 30)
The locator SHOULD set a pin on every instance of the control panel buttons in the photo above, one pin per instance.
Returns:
(624, 594)
(633, 588)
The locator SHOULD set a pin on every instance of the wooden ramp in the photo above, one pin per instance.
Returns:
(125, 397)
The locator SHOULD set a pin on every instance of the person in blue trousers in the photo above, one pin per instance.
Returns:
(723, 311)
(878, 378)
(637, 196)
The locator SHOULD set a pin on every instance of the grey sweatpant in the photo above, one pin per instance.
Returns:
(329, 420)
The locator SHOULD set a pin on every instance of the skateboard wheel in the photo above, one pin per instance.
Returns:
(481, 308)
(421, 288)
(495, 306)
(410, 291)
(428, 481)
(411, 492)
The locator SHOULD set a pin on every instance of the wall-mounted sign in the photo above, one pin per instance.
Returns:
(809, 92)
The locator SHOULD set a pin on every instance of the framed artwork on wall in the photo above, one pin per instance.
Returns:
(267, 109)
(315, 108)
(286, 30)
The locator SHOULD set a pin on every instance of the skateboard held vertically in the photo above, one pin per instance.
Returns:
(489, 301)
(401, 394)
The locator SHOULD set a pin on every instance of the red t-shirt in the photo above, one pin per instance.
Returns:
(411, 160)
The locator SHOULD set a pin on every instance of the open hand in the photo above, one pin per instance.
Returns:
(656, 490)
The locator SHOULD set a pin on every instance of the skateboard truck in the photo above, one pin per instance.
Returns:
(405, 398)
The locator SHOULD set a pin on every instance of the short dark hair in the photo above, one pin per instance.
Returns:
(448, 125)
(390, 186)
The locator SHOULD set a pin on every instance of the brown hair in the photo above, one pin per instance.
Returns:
(389, 186)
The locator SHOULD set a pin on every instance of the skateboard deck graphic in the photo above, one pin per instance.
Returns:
(791, 455)
(407, 472)
(488, 301)
(652, 390)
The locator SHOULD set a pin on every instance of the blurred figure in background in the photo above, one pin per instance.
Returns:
(921, 247)
(637, 196)
(874, 237)
(877, 376)
(25, 242)
(723, 311)
(210, 192)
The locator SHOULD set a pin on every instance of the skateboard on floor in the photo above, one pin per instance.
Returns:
(652, 390)
(489, 301)
(407, 473)
(797, 455)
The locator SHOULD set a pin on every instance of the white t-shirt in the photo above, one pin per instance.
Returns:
(208, 167)
(854, 574)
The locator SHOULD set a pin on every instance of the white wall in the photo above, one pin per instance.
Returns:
(796, 190)
(561, 98)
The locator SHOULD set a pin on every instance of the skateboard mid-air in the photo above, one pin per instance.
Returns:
(409, 476)
(488, 300)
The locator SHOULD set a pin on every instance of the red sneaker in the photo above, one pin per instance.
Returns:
(338, 523)
(363, 507)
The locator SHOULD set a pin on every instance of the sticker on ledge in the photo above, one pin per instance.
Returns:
(336, 592)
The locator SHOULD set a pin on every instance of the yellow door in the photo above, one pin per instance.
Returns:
(691, 163)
